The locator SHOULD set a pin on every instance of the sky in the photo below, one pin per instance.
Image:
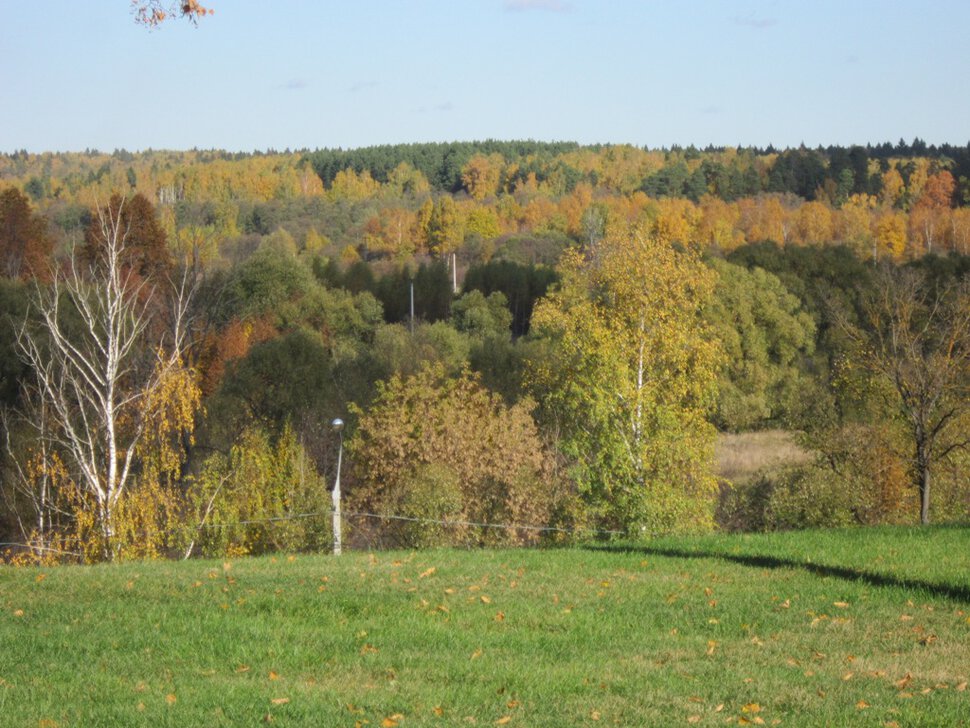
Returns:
(309, 74)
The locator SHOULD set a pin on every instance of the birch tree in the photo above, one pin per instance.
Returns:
(630, 379)
(103, 342)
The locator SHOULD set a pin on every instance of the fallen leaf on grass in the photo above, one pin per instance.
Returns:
(280, 701)
(439, 711)
(751, 708)
(862, 705)
(476, 654)
(273, 676)
(18, 613)
(711, 646)
(512, 704)
(503, 720)
(171, 699)
(961, 686)
(595, 715)
(428, 572)
(485, 599)
(840, 605)
(903, 681)
(693, 719)
(928, 640)
(392, 720)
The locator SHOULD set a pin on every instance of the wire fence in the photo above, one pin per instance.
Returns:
(361, 531)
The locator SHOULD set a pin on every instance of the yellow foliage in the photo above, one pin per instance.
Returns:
(630, 378)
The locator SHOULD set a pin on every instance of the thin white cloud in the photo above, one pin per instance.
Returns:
(445, 106)
(361, 86)
(294, 84)
(753, 21)
(552, 6)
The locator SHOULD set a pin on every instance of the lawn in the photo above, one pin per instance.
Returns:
(853, 627)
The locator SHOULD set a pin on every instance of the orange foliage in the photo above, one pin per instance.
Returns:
(25, 247)
(233, 342)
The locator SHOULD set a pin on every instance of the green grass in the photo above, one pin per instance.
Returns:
(857, 627)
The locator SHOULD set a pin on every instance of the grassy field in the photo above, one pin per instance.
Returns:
(857, 627)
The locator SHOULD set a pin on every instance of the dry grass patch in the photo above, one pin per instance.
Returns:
(739, 457)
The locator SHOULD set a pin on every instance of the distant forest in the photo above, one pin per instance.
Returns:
(540, 333)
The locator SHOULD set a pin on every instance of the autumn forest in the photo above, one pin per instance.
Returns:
(547, 335)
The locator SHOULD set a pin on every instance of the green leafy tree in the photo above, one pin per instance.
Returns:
(251, 496)
(630, 380)
(482, 316)
(766, 338)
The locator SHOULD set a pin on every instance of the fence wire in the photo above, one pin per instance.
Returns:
(362, 531)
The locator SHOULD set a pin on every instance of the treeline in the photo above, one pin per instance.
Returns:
(521, 200)
(568, 360)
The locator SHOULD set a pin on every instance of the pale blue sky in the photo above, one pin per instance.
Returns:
(262, 74)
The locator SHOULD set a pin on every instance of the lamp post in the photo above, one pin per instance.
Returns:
(338, 427)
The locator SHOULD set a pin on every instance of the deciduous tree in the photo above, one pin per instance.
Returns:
(493, 451)
(630, 381)
(25, 246)
(916, 339)
(98, 371)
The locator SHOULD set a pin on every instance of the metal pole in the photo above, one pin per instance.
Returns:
(412, 307)
(338, 426)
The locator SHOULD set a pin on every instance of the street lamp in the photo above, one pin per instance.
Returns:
(338, 426)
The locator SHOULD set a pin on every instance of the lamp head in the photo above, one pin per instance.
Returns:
(337, 424)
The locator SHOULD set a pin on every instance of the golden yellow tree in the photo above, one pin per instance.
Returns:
(481, 175)
(890, 236)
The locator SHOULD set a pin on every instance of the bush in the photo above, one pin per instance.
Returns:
(432, 496)
(258, 499)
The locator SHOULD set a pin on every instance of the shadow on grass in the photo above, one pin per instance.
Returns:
(957, 593)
